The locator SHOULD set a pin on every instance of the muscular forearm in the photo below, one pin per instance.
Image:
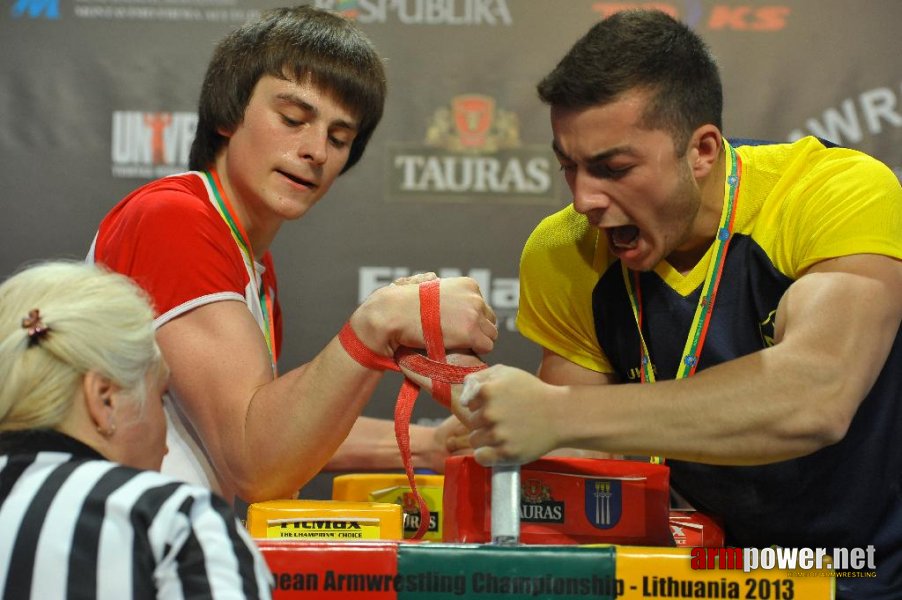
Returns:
(266, 437)
(372, 446)
(296, 422)
(835, 331)
(835, 328)
(369, 446)
(754, 410)
(319, 426)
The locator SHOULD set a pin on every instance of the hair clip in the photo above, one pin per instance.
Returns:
(34, 326)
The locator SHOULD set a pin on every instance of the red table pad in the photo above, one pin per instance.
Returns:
(565, 501)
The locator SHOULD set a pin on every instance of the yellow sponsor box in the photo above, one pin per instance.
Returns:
(395, 489)
(324, 520)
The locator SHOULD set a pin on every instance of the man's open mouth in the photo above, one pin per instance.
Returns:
(625, 237)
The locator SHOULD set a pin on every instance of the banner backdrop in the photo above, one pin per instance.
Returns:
(99, 96)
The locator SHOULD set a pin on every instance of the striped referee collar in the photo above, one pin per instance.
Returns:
(32, 441)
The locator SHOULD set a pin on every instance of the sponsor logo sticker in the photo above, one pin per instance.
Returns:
(471, 152)
(490, 13)
(604, 502)
(148, 145)
(36, 9)
(537, 505)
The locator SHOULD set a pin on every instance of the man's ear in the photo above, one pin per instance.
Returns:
(100, 403)
(705, 146)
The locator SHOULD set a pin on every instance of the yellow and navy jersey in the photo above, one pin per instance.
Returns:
(797, 204)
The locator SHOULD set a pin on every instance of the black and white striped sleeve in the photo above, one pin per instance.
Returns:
(93, 529)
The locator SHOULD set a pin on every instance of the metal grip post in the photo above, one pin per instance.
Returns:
(506, 504)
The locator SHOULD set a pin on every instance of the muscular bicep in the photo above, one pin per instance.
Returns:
(557, 370)
(218, 360)
(845, 312)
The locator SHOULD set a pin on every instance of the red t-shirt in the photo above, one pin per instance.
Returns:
(168, 236)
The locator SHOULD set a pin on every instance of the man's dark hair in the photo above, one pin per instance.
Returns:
(636, 50)
(294, 43)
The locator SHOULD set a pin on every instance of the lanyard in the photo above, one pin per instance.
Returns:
(705, 308)
(225, 210)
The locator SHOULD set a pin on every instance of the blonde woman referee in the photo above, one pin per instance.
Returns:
(81, 426)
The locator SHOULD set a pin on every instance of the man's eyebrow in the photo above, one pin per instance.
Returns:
(304, 105)
(612, 152)
(297, 101)
(601, 156)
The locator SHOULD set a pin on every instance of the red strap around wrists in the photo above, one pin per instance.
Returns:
(360, 352)
(432, 366)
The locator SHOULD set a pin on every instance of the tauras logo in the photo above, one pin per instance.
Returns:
(411, 512)
(412, 521)
(549, 512)
(471, 153)
(537, 505)
(505, 174)
(423, 12)
(151, 144)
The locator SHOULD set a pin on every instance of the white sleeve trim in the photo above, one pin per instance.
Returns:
(195, 303)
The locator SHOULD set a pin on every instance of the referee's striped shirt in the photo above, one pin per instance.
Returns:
(74, 525)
